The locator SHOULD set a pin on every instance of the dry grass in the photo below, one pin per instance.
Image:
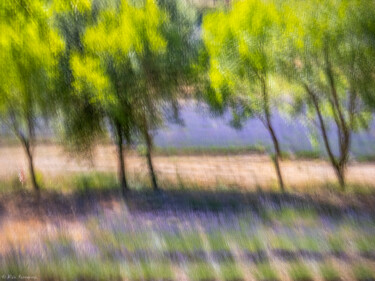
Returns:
(241, 171)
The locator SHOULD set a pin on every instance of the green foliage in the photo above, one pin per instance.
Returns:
(323, 53)
(241, 56)
(28, 47)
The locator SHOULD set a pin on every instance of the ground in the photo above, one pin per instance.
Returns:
(240, 171)
(238, 228)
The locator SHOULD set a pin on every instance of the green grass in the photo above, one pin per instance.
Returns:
(299, 272)
(183, 242)
(204, 150)
(283, 242)
(308, 154)
(366, 158)
(329, 273)
(289, 216)
(12, 264)
(264, 272)
(94, 181)
(201, 271)
(217, 241)
(308, 244)
(251, 243)
(365, 244)
(363, 273)
(336, 243)
(149, 271)
(230, 272)
(61, 243)
(71, 270)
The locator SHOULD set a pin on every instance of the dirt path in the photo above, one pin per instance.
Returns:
(239, 170)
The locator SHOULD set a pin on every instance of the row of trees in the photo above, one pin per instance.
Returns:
(118, 65)
(318, 56)
(95, 65)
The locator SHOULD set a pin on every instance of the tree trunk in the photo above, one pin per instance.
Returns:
(340, 172)
(149, 157)
(277, 156)
(338, 166)
(31, 167)
(121, 167)
(275, 141)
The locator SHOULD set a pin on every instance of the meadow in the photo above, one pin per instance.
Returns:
(82, 228)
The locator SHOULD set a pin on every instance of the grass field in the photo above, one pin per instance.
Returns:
(220, 216)
(90, 233)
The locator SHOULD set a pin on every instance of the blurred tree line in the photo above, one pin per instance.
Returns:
(117, 66)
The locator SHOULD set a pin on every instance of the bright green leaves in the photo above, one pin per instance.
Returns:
(132, 29)
(80, 6)
(29, 47)
(91, 79)
(242, 45)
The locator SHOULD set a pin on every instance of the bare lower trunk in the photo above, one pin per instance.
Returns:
(340, 172)
(275, 141)
(344, 129)
(277, 157)
(149, 158)
(338, 166)
(31, 167)
(121, 167)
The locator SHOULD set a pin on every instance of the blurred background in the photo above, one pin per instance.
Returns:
(187, 140)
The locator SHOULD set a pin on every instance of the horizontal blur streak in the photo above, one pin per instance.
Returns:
(245, 171)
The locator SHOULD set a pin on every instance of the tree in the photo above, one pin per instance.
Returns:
(325, 55)
(29, 48)
(165, 71)
(82, 121)
(241, 52)
(145, 50)
(361, 30)
(104, 73)
(94, 77)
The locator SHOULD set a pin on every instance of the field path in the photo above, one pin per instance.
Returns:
(232, 170)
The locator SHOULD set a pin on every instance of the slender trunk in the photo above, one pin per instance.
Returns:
(277, 156)
(149, 157)
(340, 172)
(121, 168)
(275, 141)
(339, 167)
(274, 138)
(31, 166)
(342, 125)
